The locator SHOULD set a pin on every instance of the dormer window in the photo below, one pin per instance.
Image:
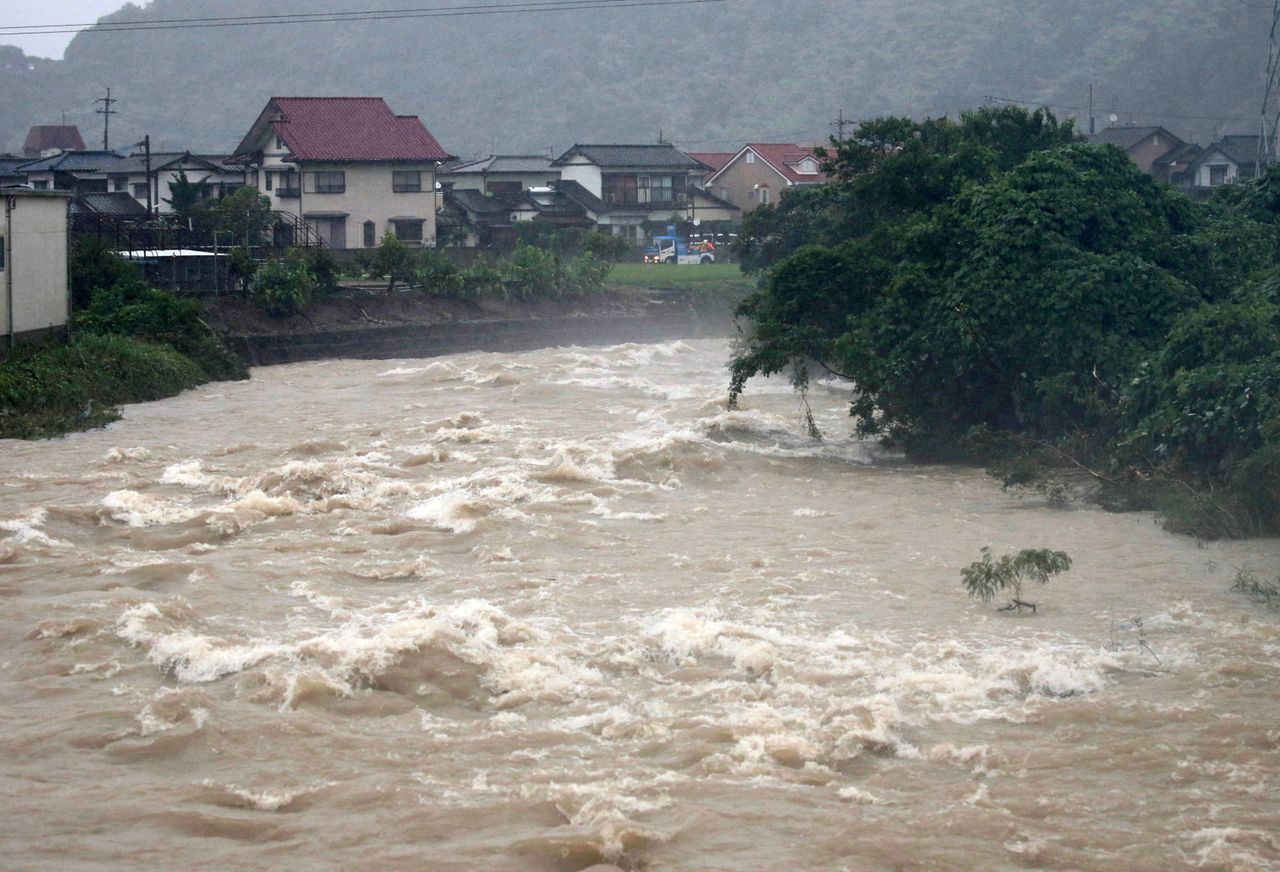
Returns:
(807, 167)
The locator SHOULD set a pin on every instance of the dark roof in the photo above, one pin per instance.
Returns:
(476, 203)
(1182, 154)
(118, 203)
(1127, 137)
(44, 136)
(580, 195)
(9, 165)
(1242, 150)
(137, 163)
(501, 163)
(343, 129)
(77, 162)
(664, 156)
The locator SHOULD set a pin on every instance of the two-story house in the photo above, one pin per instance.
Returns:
(348, 166)
(1231, 159)
(759, 173)
(634, 183)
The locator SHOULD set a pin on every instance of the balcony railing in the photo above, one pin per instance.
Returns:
(288, 193)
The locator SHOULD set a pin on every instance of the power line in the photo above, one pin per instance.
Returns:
(538, 6)
(1054, 105)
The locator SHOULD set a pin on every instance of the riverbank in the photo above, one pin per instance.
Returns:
(366, 321)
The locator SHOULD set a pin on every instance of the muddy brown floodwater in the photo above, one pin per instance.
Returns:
(542, 611)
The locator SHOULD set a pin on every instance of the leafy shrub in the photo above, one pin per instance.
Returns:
(531, 273)
(93, 266)
(394, 261)
(283, 288)
(242, 267)
(585, 274)
(438, 275)
(986, 577)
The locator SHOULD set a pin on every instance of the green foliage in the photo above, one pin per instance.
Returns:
(283, 288)
(320, 264)
(246, 215)
(242, 267)
(394, 261)
(438, 275)
(531, 273)
(185, 196)
(986, 578)
(57, 387)
(991, 275)
(93, 266)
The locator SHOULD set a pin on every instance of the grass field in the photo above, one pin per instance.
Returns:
(711, 276)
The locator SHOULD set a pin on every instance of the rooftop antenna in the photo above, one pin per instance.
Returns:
(106, 112)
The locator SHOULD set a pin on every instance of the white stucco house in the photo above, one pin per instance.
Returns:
(348, 166)
(1229, 160)
(34, 289)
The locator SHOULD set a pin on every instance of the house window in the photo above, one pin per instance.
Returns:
(331, 182)
(406, 181)
(408, 230)
(119, 184)
(279, 142)
(1217, 175)
(140, 190)
(764, 196)
(370, 234)
(724, 193)
(620, 189)
(40, 186)
(267, 175)
(751, 157)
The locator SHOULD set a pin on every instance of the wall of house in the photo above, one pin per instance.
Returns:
(1151, 149)
(579, 169)
(1203, 173)
(739, 183)
(35, 263)
(368, 195)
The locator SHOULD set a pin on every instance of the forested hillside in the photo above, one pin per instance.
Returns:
(707, 76)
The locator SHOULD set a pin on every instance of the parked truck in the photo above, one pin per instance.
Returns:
(670, 248)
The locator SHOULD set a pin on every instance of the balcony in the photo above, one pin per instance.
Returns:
(289, 193)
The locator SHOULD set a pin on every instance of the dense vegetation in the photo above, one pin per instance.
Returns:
(709, 76)
(130, 343)
(997, 290)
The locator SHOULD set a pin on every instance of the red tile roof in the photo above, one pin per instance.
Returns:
(46, 136)
(783, 156)
(714, 159)
(351, 129)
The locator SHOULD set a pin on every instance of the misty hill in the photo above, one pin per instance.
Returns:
(708, 76)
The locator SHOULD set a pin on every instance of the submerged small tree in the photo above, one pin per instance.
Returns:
(987, 577)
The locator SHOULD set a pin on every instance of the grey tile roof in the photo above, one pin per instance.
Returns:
(580, 195)
(1125, 137)
(117, 203)
(77, 162)
(663, 156)
(501, 163)
(1242, 150)
(476, 203)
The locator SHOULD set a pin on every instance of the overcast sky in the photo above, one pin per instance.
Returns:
(17, 13)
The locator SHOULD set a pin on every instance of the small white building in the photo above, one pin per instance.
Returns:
(35, 297)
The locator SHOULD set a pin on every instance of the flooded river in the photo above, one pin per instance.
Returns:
(548, 610)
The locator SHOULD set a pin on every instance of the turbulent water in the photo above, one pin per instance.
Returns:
(548, 610)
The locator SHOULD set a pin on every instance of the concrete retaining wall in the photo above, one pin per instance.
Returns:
(661, 321)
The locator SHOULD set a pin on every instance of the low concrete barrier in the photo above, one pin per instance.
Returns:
(661, 320)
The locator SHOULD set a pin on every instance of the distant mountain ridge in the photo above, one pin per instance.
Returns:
(707, 77)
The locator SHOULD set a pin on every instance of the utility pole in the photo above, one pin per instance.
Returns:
(1267, 145)
(1092, 131)
(106, 112)
(840, 124)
